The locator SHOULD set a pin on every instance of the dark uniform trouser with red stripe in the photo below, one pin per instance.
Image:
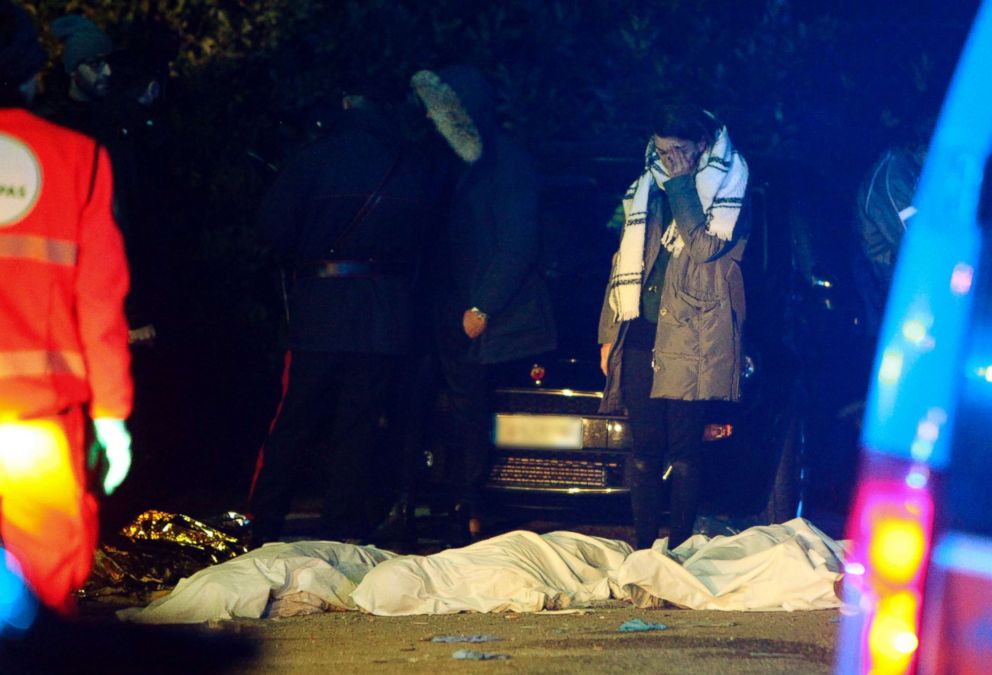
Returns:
(327, 419)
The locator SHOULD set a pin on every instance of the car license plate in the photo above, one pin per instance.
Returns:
(538, 431)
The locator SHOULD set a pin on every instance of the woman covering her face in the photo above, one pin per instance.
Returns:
(671, 322)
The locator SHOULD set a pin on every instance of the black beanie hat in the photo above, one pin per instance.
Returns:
(21, 55)
(82, 38)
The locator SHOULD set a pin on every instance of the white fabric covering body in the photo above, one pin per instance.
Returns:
(316, 571)
(518, 571)
(792, 566)
(776, 567)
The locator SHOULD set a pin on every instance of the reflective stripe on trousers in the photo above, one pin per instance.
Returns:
(48, 519)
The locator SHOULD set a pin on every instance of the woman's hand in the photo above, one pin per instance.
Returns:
(678, 162)
(604, 356)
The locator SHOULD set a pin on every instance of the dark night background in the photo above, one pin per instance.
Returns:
(825, 83)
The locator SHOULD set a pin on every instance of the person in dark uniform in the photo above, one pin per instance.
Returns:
(346, 217)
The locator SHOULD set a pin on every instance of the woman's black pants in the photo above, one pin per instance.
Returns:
(665, 433)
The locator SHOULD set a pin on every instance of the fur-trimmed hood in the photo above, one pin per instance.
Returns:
(460, 102)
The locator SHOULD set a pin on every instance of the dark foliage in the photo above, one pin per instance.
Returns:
(827, 83)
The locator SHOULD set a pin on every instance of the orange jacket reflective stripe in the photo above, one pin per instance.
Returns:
(63, 335)
(39, 249)
(34, 363)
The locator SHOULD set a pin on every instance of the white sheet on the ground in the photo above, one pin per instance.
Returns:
(518, 571)
(321, 574)
(775, 567)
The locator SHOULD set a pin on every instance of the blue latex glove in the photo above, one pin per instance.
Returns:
(113, 439)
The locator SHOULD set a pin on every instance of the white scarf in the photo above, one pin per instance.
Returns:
(721, 179)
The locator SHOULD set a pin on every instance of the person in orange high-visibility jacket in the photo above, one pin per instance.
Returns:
(63, 337)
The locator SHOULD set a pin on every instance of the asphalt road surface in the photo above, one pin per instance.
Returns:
(694, 642)
(697, 642)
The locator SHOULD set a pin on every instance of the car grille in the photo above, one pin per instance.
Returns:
(543, 401)
(556, 473)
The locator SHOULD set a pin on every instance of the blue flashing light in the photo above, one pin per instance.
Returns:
(978, 368)
(965, 553)
(920, 358)
(915, 331)
(923, 366)
(854, 568)
(18, 606)
(917, 478)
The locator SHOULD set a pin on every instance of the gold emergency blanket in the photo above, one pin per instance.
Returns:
(185, 531)
(158, 549)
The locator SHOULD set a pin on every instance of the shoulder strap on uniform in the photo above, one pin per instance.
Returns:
(367, 207)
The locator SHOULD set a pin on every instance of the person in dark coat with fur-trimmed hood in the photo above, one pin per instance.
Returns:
(491, 302)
